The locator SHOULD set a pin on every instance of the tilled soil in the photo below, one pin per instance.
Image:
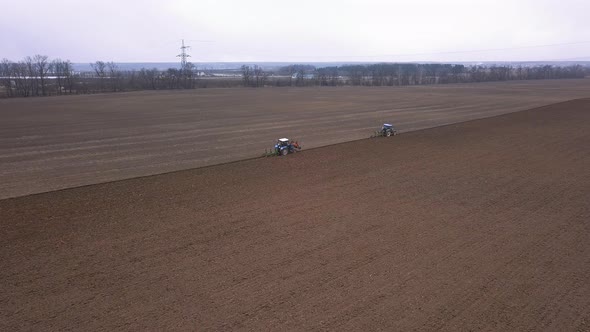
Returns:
(482, 225)
(63, 142)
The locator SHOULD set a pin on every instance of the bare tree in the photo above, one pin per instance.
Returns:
(24, 81)
(6, 75)
(68, 74)
(188, 73)
(292, 70)
(172, 77)
(260, 76)
(64, 77)
(58, 72)
(148, 78)
(246, 75)
(42, 66)
(114, 76)
(100, 68)
(420, 77)
(31, 79)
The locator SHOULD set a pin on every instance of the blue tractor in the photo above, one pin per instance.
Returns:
(388, 130)
(284, 147)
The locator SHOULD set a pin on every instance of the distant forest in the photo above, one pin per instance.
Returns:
(41, 76)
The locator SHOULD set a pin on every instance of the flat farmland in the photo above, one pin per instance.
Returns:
(61, 142)
(480, 225)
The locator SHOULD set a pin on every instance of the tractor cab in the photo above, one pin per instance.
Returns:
(283, 142)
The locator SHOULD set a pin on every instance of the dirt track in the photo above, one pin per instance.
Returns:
(483, 225)
(62, 142)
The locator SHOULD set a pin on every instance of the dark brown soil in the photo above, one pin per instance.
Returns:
(482, 225)
(62, 142)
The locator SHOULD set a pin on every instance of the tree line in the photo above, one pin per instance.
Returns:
(401, 74)
(40, 76)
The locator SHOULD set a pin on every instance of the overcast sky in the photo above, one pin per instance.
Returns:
(297, 31)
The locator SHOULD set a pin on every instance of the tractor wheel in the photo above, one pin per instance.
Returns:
(388, 133)
(284, 152)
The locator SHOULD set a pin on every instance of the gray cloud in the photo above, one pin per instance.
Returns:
(264, 30)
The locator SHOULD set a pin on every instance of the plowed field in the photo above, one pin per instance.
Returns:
(63, 142)
(481, 225)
